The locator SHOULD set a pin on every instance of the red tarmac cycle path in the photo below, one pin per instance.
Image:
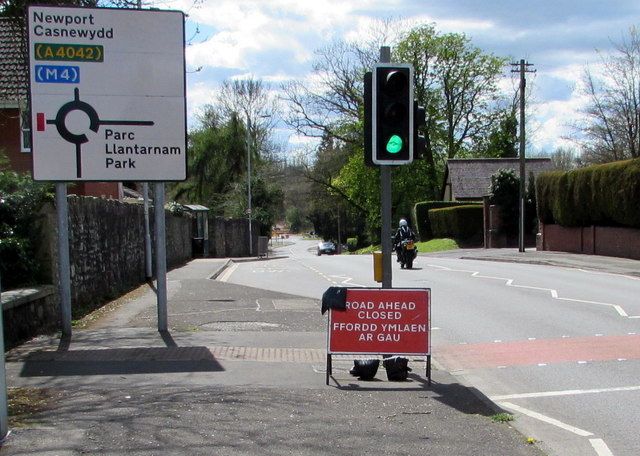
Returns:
(544, 351)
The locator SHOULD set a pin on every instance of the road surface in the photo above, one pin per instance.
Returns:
(557, 347)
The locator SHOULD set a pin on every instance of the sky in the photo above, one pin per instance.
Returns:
(275, 40)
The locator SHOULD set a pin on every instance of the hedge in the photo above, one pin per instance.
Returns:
(603, 195)
(460, 222)
(421, 215)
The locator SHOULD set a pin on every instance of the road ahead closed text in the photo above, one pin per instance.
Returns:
(381, 321)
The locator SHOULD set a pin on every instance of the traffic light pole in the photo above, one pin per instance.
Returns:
(385, 197)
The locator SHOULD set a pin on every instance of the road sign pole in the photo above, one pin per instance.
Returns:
(161, 257)
(64, 265)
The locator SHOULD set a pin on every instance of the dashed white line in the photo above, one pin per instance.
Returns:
(552, 292)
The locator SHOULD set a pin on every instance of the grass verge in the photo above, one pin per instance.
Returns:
(434, 245)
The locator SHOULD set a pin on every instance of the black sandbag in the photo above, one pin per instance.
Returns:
(365, 369)
(397, 368)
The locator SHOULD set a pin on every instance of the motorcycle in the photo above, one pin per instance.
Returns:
(407, 253)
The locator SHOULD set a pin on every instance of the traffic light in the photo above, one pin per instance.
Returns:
(392, 114)
(419, 120)
(368, 134)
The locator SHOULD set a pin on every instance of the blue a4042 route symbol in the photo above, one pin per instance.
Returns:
(57, 73)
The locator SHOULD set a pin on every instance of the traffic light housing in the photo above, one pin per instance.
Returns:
(392, 114)
(419, 120)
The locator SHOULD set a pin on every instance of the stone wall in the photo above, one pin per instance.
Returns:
(106, 248)
(28, 312)
(229, 238)
(106, 243)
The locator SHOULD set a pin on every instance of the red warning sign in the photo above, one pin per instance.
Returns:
(382, 321)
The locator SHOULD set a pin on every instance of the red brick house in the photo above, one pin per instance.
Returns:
(14, 115)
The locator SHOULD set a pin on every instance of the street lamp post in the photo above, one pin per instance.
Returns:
(249, 208)
(249, 184)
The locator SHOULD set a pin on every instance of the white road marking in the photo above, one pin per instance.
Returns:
(545, 419)
(601, 448)
(553, 292)
(598, 444)
(574, 392)
(346, 280)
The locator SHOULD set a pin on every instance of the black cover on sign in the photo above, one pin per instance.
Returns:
(334, 298)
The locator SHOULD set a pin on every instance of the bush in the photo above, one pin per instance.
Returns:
(352, 244)
(20, 201)
(604, 195)
(421, 215)
(546, 189)
(17, 264)
(505, 191)
(461, 222)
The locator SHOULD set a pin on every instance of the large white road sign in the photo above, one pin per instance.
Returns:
(107, 94)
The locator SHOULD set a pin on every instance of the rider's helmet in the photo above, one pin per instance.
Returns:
(403, 222)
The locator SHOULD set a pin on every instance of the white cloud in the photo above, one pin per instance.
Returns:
(275, 41)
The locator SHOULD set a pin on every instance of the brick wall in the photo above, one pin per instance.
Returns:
(594, 240)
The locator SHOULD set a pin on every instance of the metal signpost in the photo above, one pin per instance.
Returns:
(108, 104)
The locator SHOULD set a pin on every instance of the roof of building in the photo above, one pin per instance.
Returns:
(470, 179)
(14, 76)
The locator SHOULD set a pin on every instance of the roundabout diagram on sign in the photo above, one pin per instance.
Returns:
(78, 139)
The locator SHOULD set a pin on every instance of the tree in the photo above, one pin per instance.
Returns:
(331, 206)
(502, 141)
(17, 9)
(252, 101)
(333, 106)
(457, 83)
(564, 159)
(217, 152)
(611, 130)
(218, 156)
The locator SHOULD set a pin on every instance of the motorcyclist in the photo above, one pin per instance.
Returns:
(403, 233)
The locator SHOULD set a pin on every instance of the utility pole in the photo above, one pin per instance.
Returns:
(523, 68)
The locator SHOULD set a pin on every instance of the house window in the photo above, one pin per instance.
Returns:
(25, 131)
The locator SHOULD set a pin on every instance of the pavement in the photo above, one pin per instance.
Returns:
(241, 371)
